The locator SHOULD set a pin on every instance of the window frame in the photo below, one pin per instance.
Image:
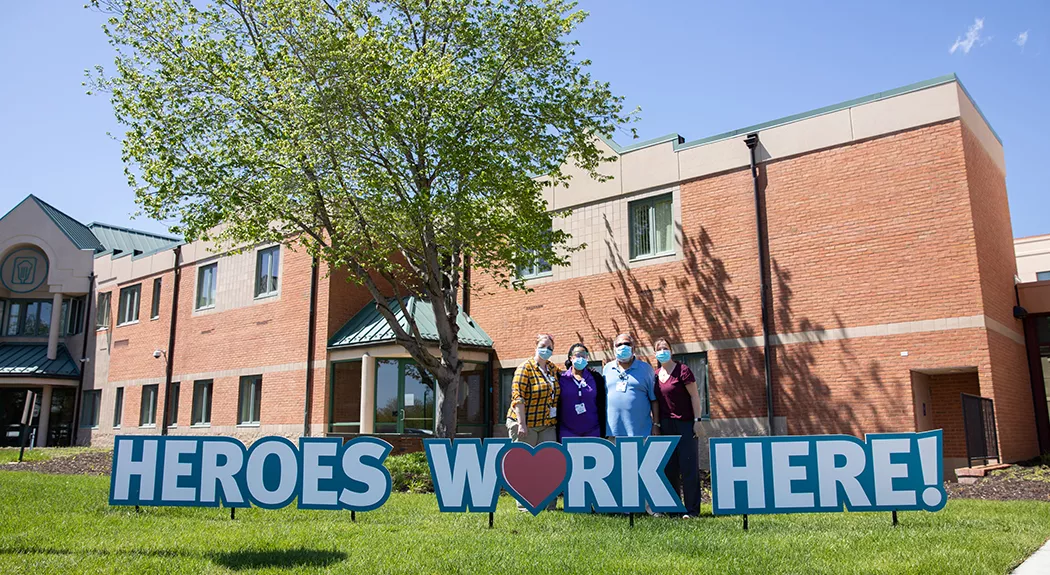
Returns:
(93, 398)
(207, 387)
(21, 315)
(650, 202)
(103, 312)
(213, 267)
(118, 408)
(171, 409)
(151, 411)
(252, 384)
(274, 254)
(702, 387)
(124, 306)
(154, 305)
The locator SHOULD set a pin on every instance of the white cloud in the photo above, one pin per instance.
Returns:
(973, 34)
(1021, 39)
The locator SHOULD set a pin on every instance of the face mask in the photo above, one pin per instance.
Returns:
(579, 362)
(624, 352)
(663, 356)
(544, 352)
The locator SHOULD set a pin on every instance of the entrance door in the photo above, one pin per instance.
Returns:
(404, 398)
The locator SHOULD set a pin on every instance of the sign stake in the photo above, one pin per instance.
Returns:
(353, 516)
(894, 517)
(631, 515)
(745, 522)
(233, 512)
(491, 514)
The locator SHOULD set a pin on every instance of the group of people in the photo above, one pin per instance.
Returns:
(627, 398)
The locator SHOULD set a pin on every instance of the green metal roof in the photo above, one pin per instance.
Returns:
(126, 241)
(369, 327)
(77, 232)
(30, 360)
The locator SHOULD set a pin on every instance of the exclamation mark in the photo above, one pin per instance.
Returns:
(931, 495)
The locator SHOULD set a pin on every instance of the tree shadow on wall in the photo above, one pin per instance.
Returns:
(696, 301)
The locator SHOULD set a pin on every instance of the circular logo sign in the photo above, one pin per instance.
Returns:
(24, 270)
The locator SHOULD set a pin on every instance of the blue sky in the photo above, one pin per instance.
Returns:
(696, 68)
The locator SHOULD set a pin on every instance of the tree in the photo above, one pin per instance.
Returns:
(398, 139)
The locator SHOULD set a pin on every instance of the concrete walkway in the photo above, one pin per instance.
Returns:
(1037, 564)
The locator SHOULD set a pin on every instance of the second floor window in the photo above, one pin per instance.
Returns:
(28, 318)
(206, 276)
(651, 226)
(102, 313)
(154, 309)
(129, 304)
(267, 265)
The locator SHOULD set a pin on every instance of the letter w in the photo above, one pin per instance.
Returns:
(462, 481)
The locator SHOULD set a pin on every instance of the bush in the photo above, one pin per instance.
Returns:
(409, 473)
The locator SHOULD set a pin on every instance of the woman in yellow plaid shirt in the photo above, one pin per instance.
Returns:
(533, 415)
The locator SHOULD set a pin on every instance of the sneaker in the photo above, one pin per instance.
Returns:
(688, 516)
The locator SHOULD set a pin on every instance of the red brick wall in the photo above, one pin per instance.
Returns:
(946, 391)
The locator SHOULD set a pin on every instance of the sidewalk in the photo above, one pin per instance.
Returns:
(1037, 564)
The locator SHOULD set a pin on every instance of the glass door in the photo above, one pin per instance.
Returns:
(405, 399)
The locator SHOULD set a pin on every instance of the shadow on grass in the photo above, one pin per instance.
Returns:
(238, 560)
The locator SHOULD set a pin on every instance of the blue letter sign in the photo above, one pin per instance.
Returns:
(797, 474)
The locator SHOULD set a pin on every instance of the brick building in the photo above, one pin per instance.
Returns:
(889, 261)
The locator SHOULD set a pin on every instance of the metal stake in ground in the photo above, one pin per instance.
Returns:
(233, 513)
(745, 522)
(353, 516)
(631, 515)
(491, 514)
(894, 517)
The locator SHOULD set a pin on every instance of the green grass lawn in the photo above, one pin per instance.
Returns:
(63, 524)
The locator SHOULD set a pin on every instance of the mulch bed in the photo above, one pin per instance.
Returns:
(87, 463)
(1015, 483)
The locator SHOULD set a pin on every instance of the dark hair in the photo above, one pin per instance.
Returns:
(572, 349)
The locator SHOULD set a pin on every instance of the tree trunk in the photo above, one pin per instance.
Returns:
(445, 397)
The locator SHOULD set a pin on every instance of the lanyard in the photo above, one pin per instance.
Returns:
(581, 384)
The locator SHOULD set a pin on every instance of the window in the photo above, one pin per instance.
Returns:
(72, 316)
(148, 409)
(249, 400)
(201, 403)
(697, 362)
(206, 276)
(154, 308)
(89, 409)
(267, 264)
(344, 407)
(118, 407)
(540, 267)
(28, 318)
(173, 404)
(1042, 276)
(651, 227)
(102, 313)
(129, 304)
(506, 378)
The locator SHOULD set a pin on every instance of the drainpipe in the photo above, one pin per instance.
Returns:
(310, 342)
(466, 284)
(165, 420)
(752, 145)
(83, 356)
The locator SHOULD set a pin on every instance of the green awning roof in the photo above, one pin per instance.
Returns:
(30, 360)
(126, 241)
(369, 327)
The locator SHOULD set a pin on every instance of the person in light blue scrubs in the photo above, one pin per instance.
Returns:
(631, 408)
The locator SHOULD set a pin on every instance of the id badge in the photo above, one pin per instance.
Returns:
(580, 408)
(554, 412)
(622, 386)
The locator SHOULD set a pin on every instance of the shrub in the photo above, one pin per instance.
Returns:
(409, 473)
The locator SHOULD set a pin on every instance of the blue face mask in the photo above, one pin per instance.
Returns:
(579, 362)
(624, 352)
(544, 352)
(663, 356)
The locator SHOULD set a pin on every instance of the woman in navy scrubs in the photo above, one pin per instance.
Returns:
(581, 406)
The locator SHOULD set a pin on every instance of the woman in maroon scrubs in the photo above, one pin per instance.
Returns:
(679, 402)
